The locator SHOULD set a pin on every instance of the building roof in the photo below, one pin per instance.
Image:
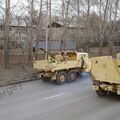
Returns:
(55, 25)
(60, 24)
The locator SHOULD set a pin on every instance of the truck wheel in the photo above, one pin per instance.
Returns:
(61, 78)
(101, 92)
(72, 76)
(46, 79)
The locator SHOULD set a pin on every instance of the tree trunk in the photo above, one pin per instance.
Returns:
(31, 34)
(38, 30)
(6, 44)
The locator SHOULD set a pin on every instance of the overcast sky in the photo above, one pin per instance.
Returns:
(13, 2)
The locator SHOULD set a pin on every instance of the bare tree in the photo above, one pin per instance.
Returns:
(103, 30)
(38, 27)
(65, 13)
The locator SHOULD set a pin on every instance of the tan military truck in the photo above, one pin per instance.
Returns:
(105, 74)
(62, 67)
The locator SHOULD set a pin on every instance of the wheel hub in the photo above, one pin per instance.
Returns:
(62, 78)
(72, 76)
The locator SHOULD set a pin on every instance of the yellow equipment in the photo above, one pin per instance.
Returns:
(63, 66)
(105, 73)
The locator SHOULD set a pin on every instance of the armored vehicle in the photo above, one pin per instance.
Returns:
(105, 74)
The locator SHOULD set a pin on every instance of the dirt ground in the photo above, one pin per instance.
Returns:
(16, 74)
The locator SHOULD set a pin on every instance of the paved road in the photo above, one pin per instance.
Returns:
(46, 101)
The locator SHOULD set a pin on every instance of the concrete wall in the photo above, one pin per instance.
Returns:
(95, 51)
(17, 57)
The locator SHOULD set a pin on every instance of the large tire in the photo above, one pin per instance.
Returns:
(46, 79)
(72, 76)
(101, 92)
(61, 77)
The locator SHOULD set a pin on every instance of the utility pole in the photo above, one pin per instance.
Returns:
(78, 28)
(66, 24)
(63, 20)
(47, 20)
(31, 32)
(7, 30)
(50, 26)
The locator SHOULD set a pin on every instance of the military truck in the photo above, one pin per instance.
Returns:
(105, 74)
(63, 67)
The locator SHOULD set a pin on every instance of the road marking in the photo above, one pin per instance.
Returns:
(54, 96)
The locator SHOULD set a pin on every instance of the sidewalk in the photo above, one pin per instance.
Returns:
(16, 75)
